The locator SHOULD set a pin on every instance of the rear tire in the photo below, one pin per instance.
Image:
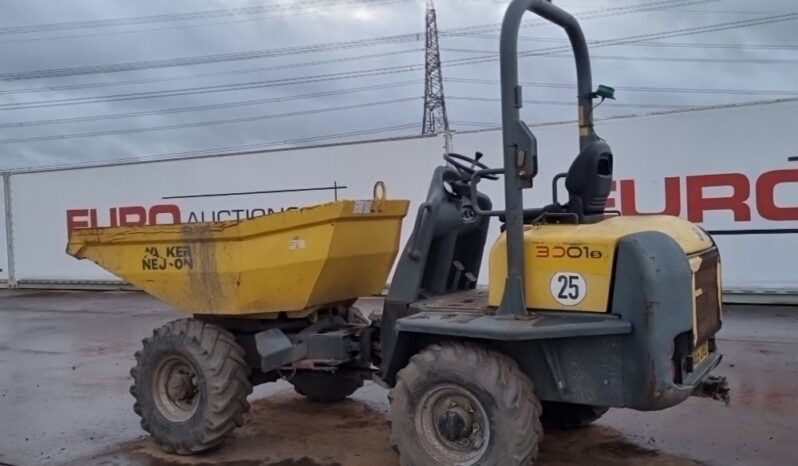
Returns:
(325, 387)
(570, 415)
(462, 404)
(191, 384)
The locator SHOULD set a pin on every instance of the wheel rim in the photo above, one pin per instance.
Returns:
(453, 425)
(176, 388)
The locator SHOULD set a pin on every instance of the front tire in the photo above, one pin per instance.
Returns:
(463, 404)
(191, 384)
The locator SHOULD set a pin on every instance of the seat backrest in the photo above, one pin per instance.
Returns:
(588, 182)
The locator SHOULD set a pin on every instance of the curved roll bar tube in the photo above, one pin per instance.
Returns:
(520, 146)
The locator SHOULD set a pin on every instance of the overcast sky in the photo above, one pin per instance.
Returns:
(58, 61)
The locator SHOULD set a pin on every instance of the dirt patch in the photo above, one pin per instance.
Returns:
(601, 446)
(287, 430)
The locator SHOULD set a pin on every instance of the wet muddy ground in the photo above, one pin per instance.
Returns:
(65, 356)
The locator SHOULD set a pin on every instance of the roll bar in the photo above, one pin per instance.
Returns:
(520, 145)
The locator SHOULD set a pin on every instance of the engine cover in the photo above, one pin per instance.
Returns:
(571, 267)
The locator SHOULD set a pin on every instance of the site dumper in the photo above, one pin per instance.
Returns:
(281, 286)
(583, 311)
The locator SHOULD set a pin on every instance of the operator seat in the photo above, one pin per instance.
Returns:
(588, 183)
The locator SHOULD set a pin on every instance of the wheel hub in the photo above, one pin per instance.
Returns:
(453, 425)
(175, 388)
(179, 386)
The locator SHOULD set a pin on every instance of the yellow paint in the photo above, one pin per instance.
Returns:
(587, 250)
(293, 261)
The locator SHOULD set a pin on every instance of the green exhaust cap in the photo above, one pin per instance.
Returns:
(605, 92)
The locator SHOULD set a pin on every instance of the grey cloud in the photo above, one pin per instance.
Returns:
(241, 34)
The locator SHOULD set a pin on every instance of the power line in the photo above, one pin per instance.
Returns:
(378, 71)
(681, 90)
(174, 17)
(592, 14)
(313, 48)
(202, 60)
(640, 37)
(290, 50)
(569, 103)
(250, 102)
(216, 88)
(644, 58)
(724, 11)
(204, 123)
(691, 45)
(329, 8)
(656, 44)
(197, 108)
(343, 135)
(688, 59)
(390, 70)
(478, 124)
(220, 73)
(243, 149)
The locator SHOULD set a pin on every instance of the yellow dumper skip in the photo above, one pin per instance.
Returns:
(294, 261)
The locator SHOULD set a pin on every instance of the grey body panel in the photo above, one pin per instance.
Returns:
(523, 327)
(442, 256)
(275, 349)
(330, 342)
(618, 359)
(654, 291)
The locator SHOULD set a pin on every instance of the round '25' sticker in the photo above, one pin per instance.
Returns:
(568, 288)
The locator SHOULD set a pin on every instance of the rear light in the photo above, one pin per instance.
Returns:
(707, 308)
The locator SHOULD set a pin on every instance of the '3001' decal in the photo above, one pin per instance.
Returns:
(573, 252)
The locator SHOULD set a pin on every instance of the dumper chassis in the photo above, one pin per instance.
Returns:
(473, 373)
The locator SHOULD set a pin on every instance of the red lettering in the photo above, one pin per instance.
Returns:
(138, 213)
(697, 204)
(114, 217)
(611, 200)
(765, 195)
(171, 210)
(76, 218)
(673, 198)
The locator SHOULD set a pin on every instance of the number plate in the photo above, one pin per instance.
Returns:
(700, 353)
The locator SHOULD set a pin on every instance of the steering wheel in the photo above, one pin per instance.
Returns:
(456, 160)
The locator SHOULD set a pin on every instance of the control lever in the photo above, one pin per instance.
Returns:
(477, 155)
